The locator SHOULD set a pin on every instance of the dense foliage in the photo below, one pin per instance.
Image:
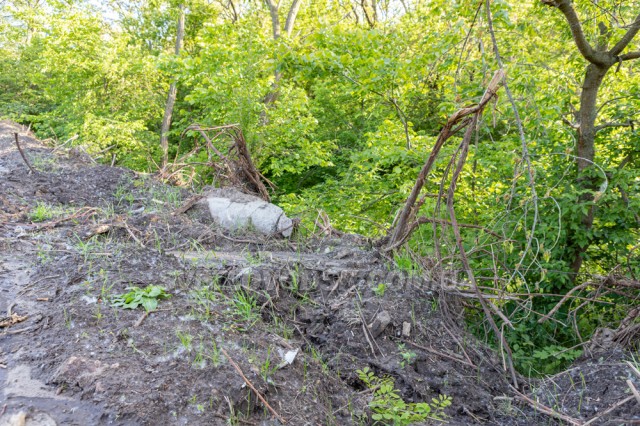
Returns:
(342, 112)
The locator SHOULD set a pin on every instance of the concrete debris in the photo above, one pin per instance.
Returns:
(234, 210)
(406, 329)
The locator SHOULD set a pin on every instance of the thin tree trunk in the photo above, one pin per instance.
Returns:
(275, 19)
(585, 152)
(171, 98)
(272, 96)
(291, 16)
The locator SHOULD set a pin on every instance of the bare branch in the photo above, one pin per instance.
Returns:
(253, 388)
(589, 53)
(398, 232)
(234, 18)
(628, 123)
(626, 39)
(630, 55)
(423, 219)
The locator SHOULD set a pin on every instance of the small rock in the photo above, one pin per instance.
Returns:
(406, 329)
(78, 371)
(379, 324)
(19, 419)
(32, 419)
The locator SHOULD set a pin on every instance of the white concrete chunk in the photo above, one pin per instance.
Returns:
(234, 210)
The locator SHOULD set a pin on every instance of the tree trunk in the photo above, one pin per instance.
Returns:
(585, 152)
(275, 19)
(272, 96)
(171, 98)
(600, 60)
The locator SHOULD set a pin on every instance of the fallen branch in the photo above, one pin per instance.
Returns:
(546, 410)
(12, 319)
(455, 339)
(187, 205)
(125, 225)
(634, 391)
(368, 334)
(609, 410)
(425, 219)
(142, 317)
(85, 211)
(260, 397)
(22, 330)
(438, 353)
(24, 157)
(634, 369)
(465, 117)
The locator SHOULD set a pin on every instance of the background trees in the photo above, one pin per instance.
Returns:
(341, 109)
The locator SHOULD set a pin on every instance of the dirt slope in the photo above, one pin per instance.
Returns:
(75, 234)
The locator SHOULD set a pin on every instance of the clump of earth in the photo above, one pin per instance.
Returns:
(246, 328)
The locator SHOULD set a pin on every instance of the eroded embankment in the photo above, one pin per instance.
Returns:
(298, 318)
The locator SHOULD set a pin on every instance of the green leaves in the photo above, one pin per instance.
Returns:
(147, 298)
(390, 409)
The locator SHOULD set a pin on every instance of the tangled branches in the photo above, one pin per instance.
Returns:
(231, 168)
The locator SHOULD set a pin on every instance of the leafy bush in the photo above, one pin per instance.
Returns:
(390, 409)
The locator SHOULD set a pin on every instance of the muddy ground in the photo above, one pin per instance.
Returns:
(75, 234)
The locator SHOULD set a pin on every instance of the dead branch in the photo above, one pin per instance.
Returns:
(634, 390)
(85, 213)
(564, 299)
(398, 234)
(235, 170)
(145, 315)
(424, 219)
(440, 354)
(463, 151)
(24, 157)
(609, 410)
(188, 204)
(466, 117)
(324, 223)
(12, 319)
(633, 368)
(260, 397)
(546, 410)
(602, 287)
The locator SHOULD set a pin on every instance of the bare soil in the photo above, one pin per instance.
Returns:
(77, 233)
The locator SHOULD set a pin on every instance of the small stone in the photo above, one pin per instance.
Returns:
(406, 329)
(379, 324)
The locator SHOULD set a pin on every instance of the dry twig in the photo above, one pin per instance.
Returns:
(188, 204)
(609, 410)
(260, 397)
(634, 369)
(239, 171)
(440, 354)
(634, 390)
(24, 157)
(546, 410)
